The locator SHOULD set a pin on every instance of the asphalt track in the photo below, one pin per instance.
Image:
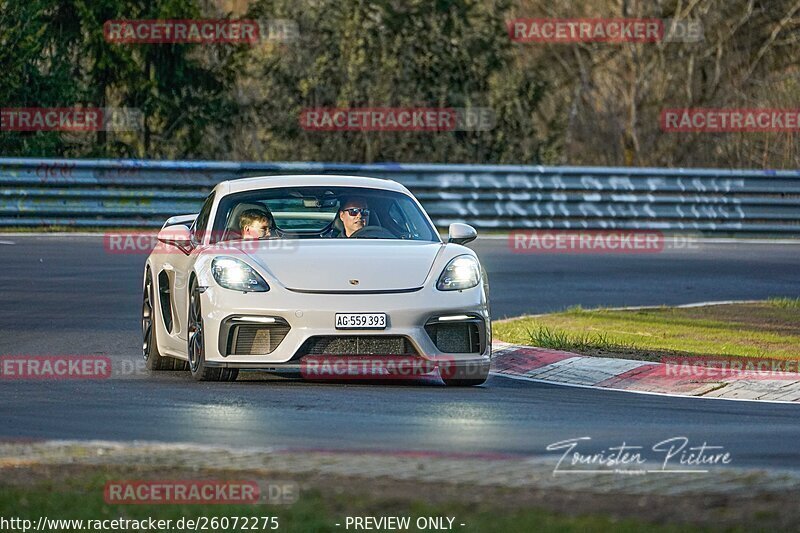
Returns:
(66, 295)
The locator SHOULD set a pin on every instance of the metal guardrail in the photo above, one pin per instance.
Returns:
(133, 193)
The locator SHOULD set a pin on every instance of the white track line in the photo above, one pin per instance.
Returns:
(7, 242)
(667, 394)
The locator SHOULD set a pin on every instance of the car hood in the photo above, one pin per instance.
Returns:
(340, 265)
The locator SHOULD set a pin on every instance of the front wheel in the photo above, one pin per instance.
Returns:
(197, 348)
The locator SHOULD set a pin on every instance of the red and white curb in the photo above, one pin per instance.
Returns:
(565, 368)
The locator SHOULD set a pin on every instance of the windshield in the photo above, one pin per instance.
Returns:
(321, 213)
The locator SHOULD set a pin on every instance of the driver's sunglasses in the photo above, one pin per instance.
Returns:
(354, 211)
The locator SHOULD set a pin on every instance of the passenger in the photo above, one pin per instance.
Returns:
(354, 216)
(255, 224)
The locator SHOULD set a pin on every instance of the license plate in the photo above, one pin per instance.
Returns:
(360, 320)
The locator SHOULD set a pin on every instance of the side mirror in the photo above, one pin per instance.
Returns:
(461, 233)
(177, 235)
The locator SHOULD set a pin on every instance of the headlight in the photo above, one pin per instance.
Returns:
(461, 272)
(237, 275)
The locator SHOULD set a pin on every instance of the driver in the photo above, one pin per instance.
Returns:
(354, 215)
(256, 224)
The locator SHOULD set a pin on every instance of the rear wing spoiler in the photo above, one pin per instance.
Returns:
(179, 219)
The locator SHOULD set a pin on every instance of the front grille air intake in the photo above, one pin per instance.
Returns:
(245, 336)
(257, 340)
(357, 345)
(455, 337)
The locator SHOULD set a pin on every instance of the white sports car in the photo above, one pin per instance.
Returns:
(302, 273)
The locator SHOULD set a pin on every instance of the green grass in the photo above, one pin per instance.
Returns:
(315, 511)
(785, 303)
(765, 329)
(556, 339)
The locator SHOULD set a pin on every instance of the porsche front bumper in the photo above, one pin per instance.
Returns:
(312, 315)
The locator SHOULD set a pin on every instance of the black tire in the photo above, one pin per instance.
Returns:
(153, 359)
(196, 348)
